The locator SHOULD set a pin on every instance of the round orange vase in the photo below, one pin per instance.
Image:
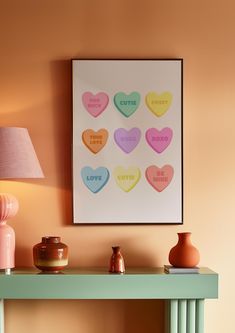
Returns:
(184, 254)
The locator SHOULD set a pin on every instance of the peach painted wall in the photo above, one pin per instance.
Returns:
(38, 39)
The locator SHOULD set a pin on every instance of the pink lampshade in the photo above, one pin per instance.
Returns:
(17, 155)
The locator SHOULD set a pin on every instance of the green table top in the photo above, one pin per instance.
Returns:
(98, 283)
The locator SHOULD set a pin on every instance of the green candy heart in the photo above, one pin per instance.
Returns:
(127, 104)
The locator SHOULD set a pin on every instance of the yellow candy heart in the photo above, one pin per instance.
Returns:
(127, 178)
(158, 104)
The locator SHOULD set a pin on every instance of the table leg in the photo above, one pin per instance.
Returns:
(173, 316)
(182, 315)
(1, 316)
(185, 316)
(200, 316)
(191, 316)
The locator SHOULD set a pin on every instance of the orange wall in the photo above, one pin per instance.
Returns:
(37, 40)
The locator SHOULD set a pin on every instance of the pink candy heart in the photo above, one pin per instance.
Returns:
(159, 140)
(95, 104)
(159, 178)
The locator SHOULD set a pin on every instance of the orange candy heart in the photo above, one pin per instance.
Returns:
(95, 141)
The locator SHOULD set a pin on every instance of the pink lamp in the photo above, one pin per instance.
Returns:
(17, 160)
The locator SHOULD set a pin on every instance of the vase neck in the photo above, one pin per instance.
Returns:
(51, 239)
(116, 249)
(184, 237)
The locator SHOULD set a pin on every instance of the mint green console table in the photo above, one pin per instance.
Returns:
(184, 293)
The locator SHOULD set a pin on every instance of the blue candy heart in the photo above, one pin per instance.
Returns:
(96, 179)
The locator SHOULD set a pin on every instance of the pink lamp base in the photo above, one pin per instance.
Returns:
(8, 209)
(7, 246)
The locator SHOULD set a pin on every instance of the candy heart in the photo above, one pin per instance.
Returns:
(159, 178)
(158, 104)
(127, 104)
(96, 179)
(95, 104)
(127, 140)
(127, 178)
(159, 140)
(95, 141)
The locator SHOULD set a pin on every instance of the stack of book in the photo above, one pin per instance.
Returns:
(180, 270)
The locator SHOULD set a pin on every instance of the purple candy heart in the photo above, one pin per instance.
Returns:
(127, 140)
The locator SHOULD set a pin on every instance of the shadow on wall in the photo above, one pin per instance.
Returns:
(143, 316)
(61, 80)
(61, 126)
(23, 255)
(89, 316)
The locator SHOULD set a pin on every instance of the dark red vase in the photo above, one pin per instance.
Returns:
(116, 261)
(50, 255)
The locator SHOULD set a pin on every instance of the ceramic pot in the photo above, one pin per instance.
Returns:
(184, 254)
(50, 255)
(116, 261)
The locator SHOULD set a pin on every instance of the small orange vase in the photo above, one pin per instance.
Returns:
(184, 254)
(116, 261)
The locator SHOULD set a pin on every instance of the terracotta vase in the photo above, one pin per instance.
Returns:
(50, 255)
(116, 261)
(184, 254)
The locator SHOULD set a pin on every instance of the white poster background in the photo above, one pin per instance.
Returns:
(143, 204)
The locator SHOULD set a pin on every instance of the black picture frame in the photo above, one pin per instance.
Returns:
(94, 76)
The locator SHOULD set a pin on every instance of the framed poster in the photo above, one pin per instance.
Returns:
(127, 141)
